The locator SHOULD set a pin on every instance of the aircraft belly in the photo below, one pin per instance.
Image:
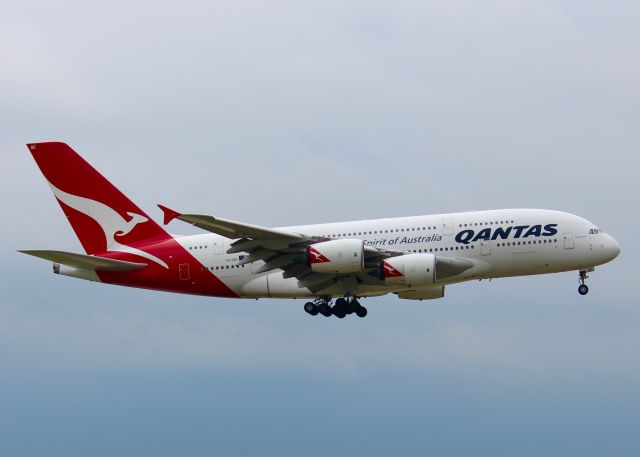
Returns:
(273, 285)
(256, 287)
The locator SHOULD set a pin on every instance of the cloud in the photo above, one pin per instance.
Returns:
(273, 337)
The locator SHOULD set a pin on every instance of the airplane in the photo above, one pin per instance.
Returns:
(333, 265)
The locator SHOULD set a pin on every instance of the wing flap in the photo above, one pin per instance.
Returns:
(278, 262)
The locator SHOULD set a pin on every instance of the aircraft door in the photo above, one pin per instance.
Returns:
(183, 271)
(485, 247)
(447, 227)
(568, 240)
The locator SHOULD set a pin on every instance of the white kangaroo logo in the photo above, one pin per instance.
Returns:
(110, 221)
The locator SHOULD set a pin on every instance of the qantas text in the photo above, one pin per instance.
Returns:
(518, 231)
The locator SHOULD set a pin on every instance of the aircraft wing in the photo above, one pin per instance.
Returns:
(230, 229)
(279, 249)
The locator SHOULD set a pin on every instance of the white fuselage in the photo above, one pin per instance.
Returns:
(501, 243)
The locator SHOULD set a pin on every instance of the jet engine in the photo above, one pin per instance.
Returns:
(411, 270)
(336, 256)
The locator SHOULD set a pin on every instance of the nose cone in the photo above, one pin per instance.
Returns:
(612, 248)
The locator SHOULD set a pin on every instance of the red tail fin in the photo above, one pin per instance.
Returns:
(101, 215)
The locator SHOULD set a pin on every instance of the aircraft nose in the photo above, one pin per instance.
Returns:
(615, 247)
(612, 247)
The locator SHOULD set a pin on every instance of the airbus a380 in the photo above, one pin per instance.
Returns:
(412, 257)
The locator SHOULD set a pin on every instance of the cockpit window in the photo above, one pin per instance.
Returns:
(594, 231)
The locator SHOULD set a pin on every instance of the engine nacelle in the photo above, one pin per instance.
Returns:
(411, 270)
(336, 256)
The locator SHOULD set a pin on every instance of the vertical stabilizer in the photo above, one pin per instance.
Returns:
(103, 218)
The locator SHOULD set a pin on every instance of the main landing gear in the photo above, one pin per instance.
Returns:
(582, 288)
(342, 307)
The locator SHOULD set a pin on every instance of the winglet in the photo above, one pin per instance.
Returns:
(169, 214)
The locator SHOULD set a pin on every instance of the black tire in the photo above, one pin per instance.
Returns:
(361, 311)
(325, 310)
(583, 289)
(311, 308)
(339, 313)
(340, 308)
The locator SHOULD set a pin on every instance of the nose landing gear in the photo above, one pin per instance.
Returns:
(582, 288)
(342, 307)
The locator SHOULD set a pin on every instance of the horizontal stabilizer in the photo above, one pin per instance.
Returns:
(86, 262)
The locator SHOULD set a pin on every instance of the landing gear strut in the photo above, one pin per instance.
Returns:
(582, 288)
(342, 307)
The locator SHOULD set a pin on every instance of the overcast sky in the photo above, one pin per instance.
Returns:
(283, 113)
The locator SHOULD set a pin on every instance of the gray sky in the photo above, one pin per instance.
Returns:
(281, 113)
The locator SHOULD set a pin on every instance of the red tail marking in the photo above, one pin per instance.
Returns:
(103, 218)
(98, 212)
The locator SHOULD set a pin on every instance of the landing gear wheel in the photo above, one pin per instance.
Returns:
(311, 308)
(341, 303)
(325, 310)
(361, 311)
(340, 308)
